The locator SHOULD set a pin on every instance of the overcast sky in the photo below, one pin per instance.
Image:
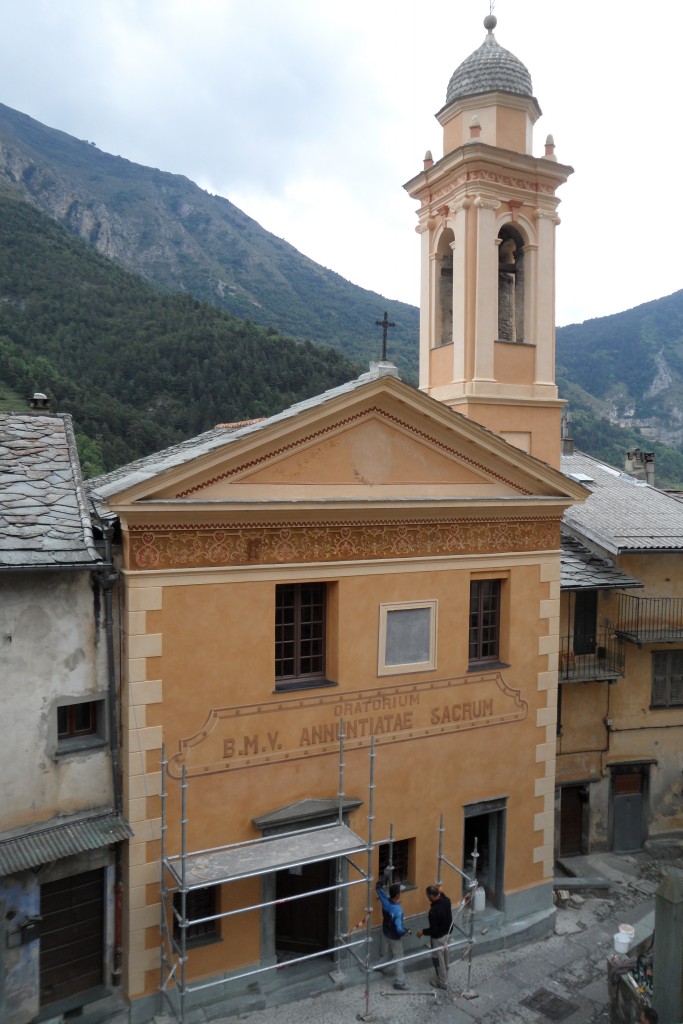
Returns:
(311, 114)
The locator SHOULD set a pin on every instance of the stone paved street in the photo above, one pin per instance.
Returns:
(562, 979)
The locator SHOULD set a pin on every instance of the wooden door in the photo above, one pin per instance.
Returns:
(572, 802)
(585, 620)
(71, 936)
(304, 925)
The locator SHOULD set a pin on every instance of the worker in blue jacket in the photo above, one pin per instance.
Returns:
(393, 928)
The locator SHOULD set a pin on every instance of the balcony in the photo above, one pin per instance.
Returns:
(585, 658)
(650, 620)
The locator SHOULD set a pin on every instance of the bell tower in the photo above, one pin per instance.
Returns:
(487, 220)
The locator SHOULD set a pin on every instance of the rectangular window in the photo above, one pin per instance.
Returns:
(402, 860)
(199, 904)
(484, 621)
(407, 637)
(667, 679)
(300, 616)
(77, 719)
(80, 725)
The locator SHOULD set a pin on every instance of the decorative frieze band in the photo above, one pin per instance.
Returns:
(179, 546)
(473, 177)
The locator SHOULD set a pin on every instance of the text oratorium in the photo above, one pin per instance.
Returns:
(296, 728)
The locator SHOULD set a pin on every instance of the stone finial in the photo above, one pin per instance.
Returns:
(490, 22)
(428, 160)
(475, 127)
(550, 148)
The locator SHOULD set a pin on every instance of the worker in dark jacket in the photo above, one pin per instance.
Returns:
(393, 928)
(439, 930)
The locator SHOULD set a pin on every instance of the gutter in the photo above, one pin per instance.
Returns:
(53, 567)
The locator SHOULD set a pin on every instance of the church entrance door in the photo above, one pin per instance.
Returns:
(304, 925)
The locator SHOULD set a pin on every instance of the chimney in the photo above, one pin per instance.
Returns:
(566, 442)
(39, 402)
(641, 465)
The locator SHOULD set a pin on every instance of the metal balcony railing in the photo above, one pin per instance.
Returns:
(649, 620)
(597, 655)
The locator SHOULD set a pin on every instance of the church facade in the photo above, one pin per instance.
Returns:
(379, 563)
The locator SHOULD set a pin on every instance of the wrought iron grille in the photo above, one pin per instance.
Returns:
(584, 657)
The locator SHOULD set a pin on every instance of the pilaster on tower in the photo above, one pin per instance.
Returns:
(487, 220)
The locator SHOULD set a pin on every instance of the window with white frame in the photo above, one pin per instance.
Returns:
(407, 637)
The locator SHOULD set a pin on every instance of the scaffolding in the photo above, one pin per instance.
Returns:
(200, 869)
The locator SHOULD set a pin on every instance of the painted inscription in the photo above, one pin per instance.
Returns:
(296, 728)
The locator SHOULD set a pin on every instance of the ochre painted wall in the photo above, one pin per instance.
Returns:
(445, 738)
(638, 734)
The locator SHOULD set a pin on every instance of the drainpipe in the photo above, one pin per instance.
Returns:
(107, 578)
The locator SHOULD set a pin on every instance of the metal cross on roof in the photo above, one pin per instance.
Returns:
(385, 325)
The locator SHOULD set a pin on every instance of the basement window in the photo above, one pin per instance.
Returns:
(402, 860)
(201, 923)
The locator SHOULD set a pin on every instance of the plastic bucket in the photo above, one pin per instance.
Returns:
(628, 930)
(621, 943)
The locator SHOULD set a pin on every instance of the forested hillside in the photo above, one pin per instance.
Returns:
(633, 363)
(137, 369)
(165, 228)
(623, 378)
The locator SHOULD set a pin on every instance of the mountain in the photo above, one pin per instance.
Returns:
(622, 374)
(137, 369)
(171, 232)
(632, 364)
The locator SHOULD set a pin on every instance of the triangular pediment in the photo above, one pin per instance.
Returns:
(380, 441)
(372, 452)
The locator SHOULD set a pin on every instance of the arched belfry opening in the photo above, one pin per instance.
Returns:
(510, 284)
(444, 288)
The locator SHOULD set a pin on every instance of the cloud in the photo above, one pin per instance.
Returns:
(311, 116)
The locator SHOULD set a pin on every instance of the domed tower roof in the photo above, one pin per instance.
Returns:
(489, 69)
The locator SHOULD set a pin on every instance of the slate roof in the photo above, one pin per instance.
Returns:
(44, 518)
(622, 514)
(489, 69)
(584, 570)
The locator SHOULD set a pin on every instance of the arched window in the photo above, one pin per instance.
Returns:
(444, 289)
(510, 285)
